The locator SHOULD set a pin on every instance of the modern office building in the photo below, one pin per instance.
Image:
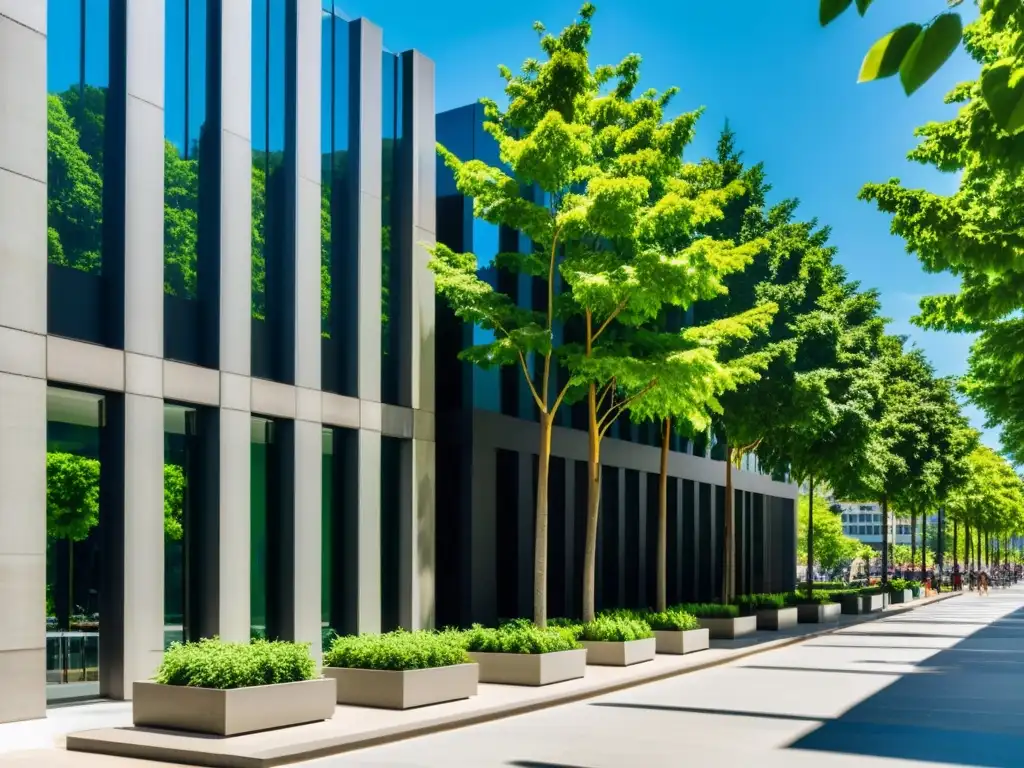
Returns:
(216, 334)
(863, 521)
(486, 464)
(218, 357)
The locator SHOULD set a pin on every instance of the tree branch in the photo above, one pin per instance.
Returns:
(533, 390)
(551, 311)
(605, 422)
(615, 313)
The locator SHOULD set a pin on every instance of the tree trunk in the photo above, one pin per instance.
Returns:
(885, 541)
(924, 543)
(593, 505)
(913, 541)
(540, 541)
(810, 542)
(967, 546)
(728, 564)
(662, 597)
(978, 550)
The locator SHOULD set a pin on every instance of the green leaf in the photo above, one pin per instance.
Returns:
(830, 10)
(1004, 98)
(932, 48)
(886, 55)
(862, 6)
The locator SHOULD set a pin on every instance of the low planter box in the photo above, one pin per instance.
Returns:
(851, 604)
(729, 629)
(680, 642)
(405, 689)
(609, 653)
(232, 712)
(902, 596)
(531, 668)
(818, 614)
(776, 618)
(872, 603)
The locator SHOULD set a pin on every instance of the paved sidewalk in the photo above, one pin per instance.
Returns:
(354, 727)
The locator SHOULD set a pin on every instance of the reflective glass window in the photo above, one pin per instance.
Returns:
(391, 307)
(337, 280)
(78, 104)
(269, 189)
(186, 141)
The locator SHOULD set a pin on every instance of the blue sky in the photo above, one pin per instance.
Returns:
(787, 87)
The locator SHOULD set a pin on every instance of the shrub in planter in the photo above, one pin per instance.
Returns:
(400, 670)
(709, 610)
(764, 602)
(723, 621)
(230, 688)
(519, 653)
(618, 641)
(677, 632)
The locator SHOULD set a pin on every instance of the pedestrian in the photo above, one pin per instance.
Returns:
(983, 583)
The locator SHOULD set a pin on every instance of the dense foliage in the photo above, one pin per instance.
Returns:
(671, 619)
(213, 663)
(397, 651)
(616, 629)
(763, 602)
(520, 637)
(708, 610)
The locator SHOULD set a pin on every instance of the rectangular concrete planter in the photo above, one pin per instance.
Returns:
(405, 689)
(729, 629)
(608, 653)
(903, 596)
(872, 603)
(818, 614)
(680, 642)
(531, 668)
(232, 712)
(851, 604)
(776, 618)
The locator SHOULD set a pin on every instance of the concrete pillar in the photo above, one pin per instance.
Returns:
(23, 360)
(306, 534)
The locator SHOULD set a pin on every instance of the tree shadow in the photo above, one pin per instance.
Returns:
(932, 717)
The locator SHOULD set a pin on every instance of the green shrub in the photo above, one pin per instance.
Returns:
(615, 629)
(915, 588)
(763, 602)
(801, 598)
(212, 663)
(822, 585)
(671, 620)
(572, 625)
(709, 610)
(520, 637)
(398, 651)
(876, 590)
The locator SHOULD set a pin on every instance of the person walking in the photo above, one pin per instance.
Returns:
(983, 583)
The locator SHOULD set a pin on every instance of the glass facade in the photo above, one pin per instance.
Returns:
(391, 277)
(179, 429)
(190, 188)
(259, 500)
(270, 189)
(73, 552)
(80, 109)
(337, 281)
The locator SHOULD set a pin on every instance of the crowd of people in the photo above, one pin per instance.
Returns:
(981, 578)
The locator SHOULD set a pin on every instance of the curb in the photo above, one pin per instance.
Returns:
(82, 743)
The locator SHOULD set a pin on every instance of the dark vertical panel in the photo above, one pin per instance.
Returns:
(738, 540)
(649, 552)
(579, 535)
(557, 538)
(611, 499)
(757, 537)
(525, 533)
(281, 532)
(507, 490)
(453, 524)
(569, 578)
(112, 546)
(705, 548)
(346, 474)
(630, 555)
(391, 449)
(202, 527)
(691, 542)
(718, 540)
(483, 539)
(674, 544)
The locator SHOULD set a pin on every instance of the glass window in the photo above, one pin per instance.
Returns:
(179, 426)
(269, 189)
(73, 554)
(390, 530)
(185, 142)
(78, 100)
(262, 436)
(337, 288)
(391, 305)
(878, 530)
(486, 381)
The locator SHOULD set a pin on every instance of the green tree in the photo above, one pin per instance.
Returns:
(72, 495)
(174, 497)
(975, 234)
(917, 51)
(829, 547)
(607, 170)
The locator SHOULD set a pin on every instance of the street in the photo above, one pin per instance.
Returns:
(942, 685)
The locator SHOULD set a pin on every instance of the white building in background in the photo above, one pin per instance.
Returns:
(863, 521)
